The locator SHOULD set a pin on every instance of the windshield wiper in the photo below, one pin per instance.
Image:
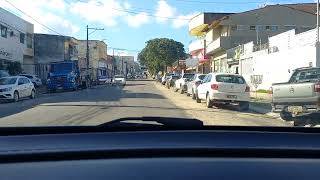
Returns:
(169, 122)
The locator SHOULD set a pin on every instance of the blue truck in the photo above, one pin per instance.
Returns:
(67, 75)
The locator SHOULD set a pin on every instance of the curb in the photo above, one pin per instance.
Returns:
(263, 108)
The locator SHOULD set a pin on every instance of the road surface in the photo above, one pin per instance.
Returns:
(105, 103)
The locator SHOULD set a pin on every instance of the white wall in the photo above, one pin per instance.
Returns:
(10, 48)
(295, 51)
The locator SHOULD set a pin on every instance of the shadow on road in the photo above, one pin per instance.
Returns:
(94, 94)
(135, 84)
(312, 119)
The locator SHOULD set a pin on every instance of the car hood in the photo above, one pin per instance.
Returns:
(6, 86)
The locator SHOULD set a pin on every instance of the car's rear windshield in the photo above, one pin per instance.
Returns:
(201, 77)
(119, 76)
(305, 75)
(188, 76)
(28, 76)
(7, 81)
(175, 77)
(230, 79)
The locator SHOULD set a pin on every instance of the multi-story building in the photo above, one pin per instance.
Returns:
(255, 25)
(97, 53)
(16, 41)
(198, 27)
(53, 48)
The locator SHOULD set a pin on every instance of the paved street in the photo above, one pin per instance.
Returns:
(104, 103)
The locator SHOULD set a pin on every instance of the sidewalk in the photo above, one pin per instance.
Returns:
(261, 103)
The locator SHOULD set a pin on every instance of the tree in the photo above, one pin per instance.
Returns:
(161, 52)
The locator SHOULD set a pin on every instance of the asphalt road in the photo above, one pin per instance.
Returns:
(105, 103)
(90, 107)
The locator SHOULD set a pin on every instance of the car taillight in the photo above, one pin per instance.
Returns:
(247, 89)
(214, 86)
(317, 87)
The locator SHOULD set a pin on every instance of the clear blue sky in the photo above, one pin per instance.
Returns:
(128, 24)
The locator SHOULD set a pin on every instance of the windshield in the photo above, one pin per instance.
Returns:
(188, 76)
(201, 77)
(230, 79)
(7, 81)
(118, 76)
(223, 62)
(61, 68)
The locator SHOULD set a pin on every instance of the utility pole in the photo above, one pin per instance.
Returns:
(317, 41)
(87, 52)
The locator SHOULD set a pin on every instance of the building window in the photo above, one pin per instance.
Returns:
(22, 37)
(274, 28)
(4, 31)
(268, 28)
(29, 41)
(253, 28)
(233, 28)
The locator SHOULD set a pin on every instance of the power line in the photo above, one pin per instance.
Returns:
(220, 2)
(47, 27)
(138, 12)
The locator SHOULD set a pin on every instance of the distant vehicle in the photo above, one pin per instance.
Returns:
(66, 75)
(181, 84)
(4, 73)
(119, 79)
(171, 81)
(298, 96)
(193, 84)
(34, 79)
(15, 87)
(217, 88)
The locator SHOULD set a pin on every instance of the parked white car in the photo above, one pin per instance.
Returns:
(193, 85)
(217, 88)
(119, 79)
(34, 79)
(181, 83)
(16, 87)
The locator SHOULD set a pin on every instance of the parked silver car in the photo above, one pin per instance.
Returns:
(298, 96)
(193, 84)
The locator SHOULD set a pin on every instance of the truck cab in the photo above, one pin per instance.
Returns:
(63, 75)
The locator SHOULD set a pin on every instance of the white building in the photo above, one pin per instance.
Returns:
(275, 61)
(16, 41)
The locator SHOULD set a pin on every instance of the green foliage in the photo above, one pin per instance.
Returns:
(263, 91)
(14, 68)
(161, 52)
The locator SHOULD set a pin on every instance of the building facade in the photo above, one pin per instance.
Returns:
(53, 48)
(97, 53)
(276, 62)
(16, 41)
(255, 25)
(124, 64)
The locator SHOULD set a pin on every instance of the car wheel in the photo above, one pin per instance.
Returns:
(244, 106)
(175, 89)
(285, 115)
(193, 95)
(16, 96)
(198, 100)
(209, 102)
(33, 94)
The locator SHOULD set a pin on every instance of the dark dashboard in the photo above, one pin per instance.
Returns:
(184, 154)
